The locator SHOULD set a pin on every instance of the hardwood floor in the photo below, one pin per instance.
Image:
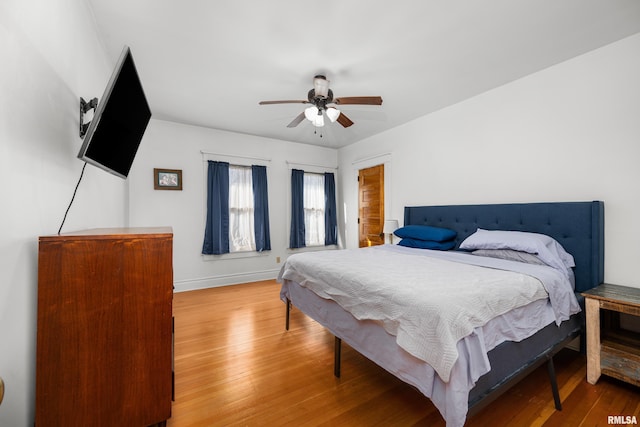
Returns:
(236, 365)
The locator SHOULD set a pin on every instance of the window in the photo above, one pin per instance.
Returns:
(241, 228)
(313, 191)
(237, 209)
(313, 209)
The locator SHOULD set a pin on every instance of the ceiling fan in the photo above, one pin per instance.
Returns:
(323, 102)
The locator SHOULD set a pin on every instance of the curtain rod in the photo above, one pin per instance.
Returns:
(234, 155)
(311, 165)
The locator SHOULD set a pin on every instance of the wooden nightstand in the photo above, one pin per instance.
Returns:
(610, 350)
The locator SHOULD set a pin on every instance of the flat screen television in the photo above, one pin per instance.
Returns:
(120, 119)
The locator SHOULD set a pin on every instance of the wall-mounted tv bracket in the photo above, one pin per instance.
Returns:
(84, 107)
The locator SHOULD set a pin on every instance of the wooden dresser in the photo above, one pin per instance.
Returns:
(104, 333)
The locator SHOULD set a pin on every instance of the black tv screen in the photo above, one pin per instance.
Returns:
(121, 117)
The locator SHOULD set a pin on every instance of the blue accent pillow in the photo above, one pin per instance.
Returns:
(427, 244)
(425, 232)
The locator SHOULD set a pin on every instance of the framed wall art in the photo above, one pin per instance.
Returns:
(167, 179)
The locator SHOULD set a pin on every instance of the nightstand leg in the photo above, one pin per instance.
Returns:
(593, 339)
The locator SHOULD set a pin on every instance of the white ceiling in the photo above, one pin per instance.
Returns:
(209, 63)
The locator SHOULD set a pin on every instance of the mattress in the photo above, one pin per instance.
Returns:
(427, 302)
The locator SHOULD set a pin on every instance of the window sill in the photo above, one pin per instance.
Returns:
(236, 255)
(313, 249)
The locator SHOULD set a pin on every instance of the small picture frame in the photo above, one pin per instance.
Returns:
(167, 179)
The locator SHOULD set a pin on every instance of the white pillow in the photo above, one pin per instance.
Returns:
(546, 248)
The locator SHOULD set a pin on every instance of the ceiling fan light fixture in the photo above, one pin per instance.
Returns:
(321, 86)
(311, 113)
(333, 114)
(318, 121)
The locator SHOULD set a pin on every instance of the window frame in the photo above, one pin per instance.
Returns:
(315, 211)
(316, 169)
(233, 212)
(235, 160)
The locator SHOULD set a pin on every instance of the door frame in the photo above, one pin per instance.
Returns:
(373, 179)
(364, 163)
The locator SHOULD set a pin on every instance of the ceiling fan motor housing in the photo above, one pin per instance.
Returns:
(319, 101)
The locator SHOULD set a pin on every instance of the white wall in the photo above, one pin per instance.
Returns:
(50, 57)
(175, 146)
(568, 133)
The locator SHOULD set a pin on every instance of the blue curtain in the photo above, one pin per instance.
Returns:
(330, 215)
(296, 238)
(261, 208)
(216, 235)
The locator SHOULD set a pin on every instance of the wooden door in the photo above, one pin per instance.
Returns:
(371, 206)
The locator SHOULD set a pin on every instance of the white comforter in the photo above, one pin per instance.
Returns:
(427, 303)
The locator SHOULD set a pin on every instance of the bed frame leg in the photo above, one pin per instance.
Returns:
(288, 302)
(337, 357)
(554, 383)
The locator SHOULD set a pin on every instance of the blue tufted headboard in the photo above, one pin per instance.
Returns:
(577, 226)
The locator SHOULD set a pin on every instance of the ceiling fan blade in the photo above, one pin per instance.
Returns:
(295, 122)
(360, 100)
(344, 120)
(288, 101)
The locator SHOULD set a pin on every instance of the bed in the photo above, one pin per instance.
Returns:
(484, 363)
